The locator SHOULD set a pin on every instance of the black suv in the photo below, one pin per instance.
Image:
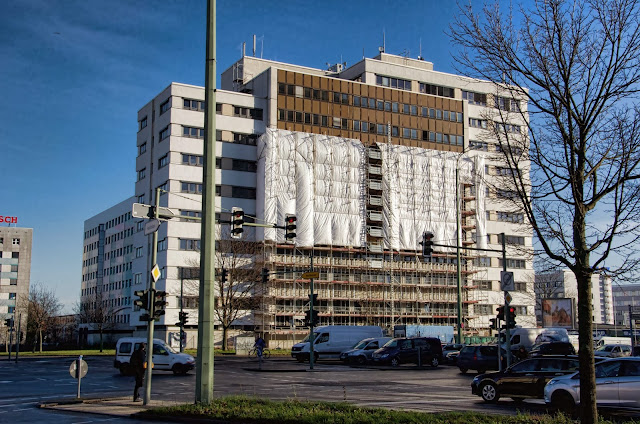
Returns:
(552, 348)
(405, 350)
(480, 357)
(526, 379)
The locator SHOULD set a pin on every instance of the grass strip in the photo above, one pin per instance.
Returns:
(84, 352)
(249, 410)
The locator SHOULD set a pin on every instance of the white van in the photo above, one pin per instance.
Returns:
(331, 340)
(607, 340)
(527, 337)
(164, 357)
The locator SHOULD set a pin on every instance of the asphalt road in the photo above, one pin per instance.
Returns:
(35, 380)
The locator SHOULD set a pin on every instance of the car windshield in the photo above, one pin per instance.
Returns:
(361, 344)
(391, 343)
(169, 349)
(306, 338)
(605, 348)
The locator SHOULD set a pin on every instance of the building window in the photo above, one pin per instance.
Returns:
(478, 145)
(483, 261)
(142, 123)
(484, 284)
(163, 161)
(12, 296)
(510, 105)
(162, 245)
(478, 123)
(139, 252)
(193, 214)
(164, 133)
(436, 90)
(164, 187)
(479, 99)
(141, 173)
(141, 198)
(137, 279)
(513, 263)
(194, 188)
(192, 160)
(190, 244)
(193, 132)
(513, 240)
(484, 309)
(520, 286)
(193, 104)
(142, 148)
(511, 217)
(393, 82)
(243, 192)
(165, 106)
(15, 242)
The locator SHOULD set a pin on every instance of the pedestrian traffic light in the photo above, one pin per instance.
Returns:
(223, 275)
(494, 323)
(313, 298)
(8, 322)
(511, 317)
(311, 317)
(289, 226)
(183, 317)
(265, 275)
(237, 220)
(143, 299)
(427, 244)
(159, 302)
(500, 313)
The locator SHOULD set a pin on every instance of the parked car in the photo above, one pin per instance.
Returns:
(480, 357)
(617, 386)
(450, 352)
(526, 379)
(405, 350)
(329, 341)
(613, 350)
(363, 350)
(552, 348)
(165, 358)
(636, 350)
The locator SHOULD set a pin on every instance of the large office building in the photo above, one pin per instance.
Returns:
(625, 296)
(368, 158)
(15, 274)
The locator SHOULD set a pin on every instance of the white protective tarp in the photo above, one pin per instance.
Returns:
(322, 180)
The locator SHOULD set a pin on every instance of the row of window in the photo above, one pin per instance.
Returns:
(223, 191)
(489, 285)
(391, 82)
(14, 241)
(484, 146)
(117, 269)
(119, 235)
(503, 103)
(485, 262)
(116, 253)
(193, 132)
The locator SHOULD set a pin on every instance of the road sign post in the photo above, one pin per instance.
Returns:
(78, 370)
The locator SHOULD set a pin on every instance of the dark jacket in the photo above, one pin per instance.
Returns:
(138, 358)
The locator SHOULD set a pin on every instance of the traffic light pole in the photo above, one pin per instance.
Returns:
(181, 311)
(458, 265)
(506, 305)
(311, 338)
(151, 298)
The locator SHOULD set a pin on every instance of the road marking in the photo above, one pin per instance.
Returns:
(23, 409)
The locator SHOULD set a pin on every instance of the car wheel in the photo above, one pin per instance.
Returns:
(394, 362)
(361, 360)
(124, 369)
(563, 401)
(463, 370)
(300, 358)
(489, 393)
(434, 362)
(179, 369)
(316, 356)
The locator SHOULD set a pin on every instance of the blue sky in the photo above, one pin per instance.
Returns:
(73, 75)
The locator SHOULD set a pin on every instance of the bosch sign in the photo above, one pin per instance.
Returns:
(9, 219)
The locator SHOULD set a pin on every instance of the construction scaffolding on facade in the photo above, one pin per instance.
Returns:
(361, 212)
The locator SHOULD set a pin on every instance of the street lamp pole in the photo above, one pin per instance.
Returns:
(458, 265)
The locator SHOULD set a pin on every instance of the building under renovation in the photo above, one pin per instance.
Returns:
(368, 158)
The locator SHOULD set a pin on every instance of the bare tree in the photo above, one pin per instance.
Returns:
(241, 289)
(576, 63)
(42, 306)
(97, 313)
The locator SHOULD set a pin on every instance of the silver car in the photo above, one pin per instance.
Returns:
(363, 350)
(613, 350)
(617, 386)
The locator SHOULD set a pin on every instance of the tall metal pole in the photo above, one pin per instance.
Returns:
(458, 265)
(151, 294)
(206, 311)
(181, 308)
(18, 337)
(506, 304)
(311, 338)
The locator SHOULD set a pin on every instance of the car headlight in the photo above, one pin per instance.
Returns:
(384, 355)
(552, 382)
(476, 379)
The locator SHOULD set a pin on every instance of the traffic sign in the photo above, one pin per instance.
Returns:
(311, 274)
(506, 281)
(83, 368)
(151, 226)
(508, 298)
(155, 273)
(140, 210)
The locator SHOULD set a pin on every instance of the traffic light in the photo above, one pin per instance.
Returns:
(311, 317)
(143, 299)
(159, 302)
(183, 317)
(511, 317)
(265, 275)
(494, 323)
(223, 275)
(500, 315)
(8, 322)
(289, 226)
(427, 244)
(237, 220)
(314, 299)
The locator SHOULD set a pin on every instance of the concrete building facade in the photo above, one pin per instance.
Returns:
(625, 295)
(344, 150)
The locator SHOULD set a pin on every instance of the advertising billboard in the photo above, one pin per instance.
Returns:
(557, 312)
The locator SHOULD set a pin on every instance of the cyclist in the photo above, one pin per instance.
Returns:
(259, 345)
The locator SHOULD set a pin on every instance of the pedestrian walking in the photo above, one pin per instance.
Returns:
(137, 362)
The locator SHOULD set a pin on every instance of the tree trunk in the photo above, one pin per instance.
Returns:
(40, 339)
(225, 344)
(100, 339)
(588, 410)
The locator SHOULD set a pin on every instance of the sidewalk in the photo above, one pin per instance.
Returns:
(122, 407)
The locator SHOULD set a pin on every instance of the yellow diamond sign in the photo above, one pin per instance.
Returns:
(155, 273)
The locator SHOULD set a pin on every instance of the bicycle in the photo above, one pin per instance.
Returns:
(266, 354)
